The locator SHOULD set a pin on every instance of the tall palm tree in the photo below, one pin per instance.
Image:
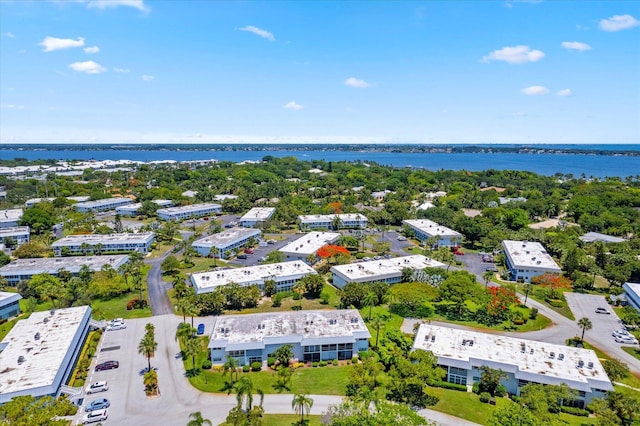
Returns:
(300, 403)
(150, 380)
(244, 393)
(487, 275)
(231, 365)
(196, 419)
(585, 323)
(148, 347)
(377, 323)
(370, 300)
(191, 348)
(185, 306)
(150, 328)
(184, 332)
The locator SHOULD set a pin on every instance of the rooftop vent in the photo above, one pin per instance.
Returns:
(590, 365)
(20, 359)
(332, 322)
(45, 320)
(580, 364)
(37, 336)
(560, 357)
(51, 312)
(552, 355)
(523, 348)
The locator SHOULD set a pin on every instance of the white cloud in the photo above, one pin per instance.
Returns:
(356, 82)
(146, 77)
(564, 92)
(53, 43)
(103, 4)
(514, 55)
(292, 105)
(258, 31)
(535, 90)
(576, 45)
(88, 67)
(9, 34)
(11, 106)
(121, 70)
(93, 49)
(510, 3)
(618, 23)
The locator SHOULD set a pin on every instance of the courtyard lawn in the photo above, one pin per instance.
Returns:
(538, 324)
(202, 264)
(520, 288)
(117, 307)
(289, 419)
(288, 303)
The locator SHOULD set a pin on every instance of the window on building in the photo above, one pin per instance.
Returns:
(457, 375)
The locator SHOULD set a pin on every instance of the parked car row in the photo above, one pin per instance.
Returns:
(116, 324)
(623, 336)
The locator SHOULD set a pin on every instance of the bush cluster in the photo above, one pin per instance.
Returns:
(137, 304)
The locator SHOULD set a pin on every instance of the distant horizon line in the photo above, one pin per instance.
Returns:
(106, 143)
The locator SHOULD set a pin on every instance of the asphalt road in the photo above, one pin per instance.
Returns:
(157, 287)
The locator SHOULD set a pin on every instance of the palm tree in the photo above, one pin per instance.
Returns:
(231, 365)
(192, 347)
(300, 403)
(377, 323)
(487, 275)
(150, 328)
(196, 419)
(299, 289)
(150, 380)
(585, 323)
(125, 270)
(370, 300)
(244, 390)
(184, 332)
(148, 347)
(185, 306)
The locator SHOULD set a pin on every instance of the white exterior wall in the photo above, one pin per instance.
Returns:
(102, 205)
(19, 234)
(181, 213)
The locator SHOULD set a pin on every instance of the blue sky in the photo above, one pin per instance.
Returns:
(312, 71)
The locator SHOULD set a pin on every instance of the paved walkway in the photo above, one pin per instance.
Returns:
(442, 419)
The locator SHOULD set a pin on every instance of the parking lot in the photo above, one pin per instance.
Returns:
(261, 251)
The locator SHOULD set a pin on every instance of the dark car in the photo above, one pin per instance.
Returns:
(200, 329)
(107, 365)
(242, 256)
(98, 404)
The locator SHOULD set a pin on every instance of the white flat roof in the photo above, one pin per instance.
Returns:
(633, 288)
(189, 208)
(305, 327)
(310, 243)
(51, 265)
(10, 215)
(7, 297)
(528, 359)
(222, 197)
(226, 237)
(73, 240)
(14, 230)
(42, 356)
(251, 274)
(377, 269)
(329, 217)
(259, 213)
(129, 207)
(591, 237)
(104, 202)
(432, 228)
(529, 254)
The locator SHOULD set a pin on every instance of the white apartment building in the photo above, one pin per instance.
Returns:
(33, 201)
(257, 215)
(132, 209)
(100, 244)
(226, 241)
(24, 269)
(9, 304)
(314, 335)
(285, 275)
(38, 354)
(383, 270)
(102, 205)
(190, 211)
(19, 234)
(632, 291)
(327, 221)
(528, 259)
(425, 229)
(308, 245)
(10, 218)
(462, 353)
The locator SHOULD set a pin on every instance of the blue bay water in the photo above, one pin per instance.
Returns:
(545, 164)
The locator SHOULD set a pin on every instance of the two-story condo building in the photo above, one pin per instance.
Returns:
(99, 244)
(306, 247)
(10, 218)
(462, 353)
(19, 234)
(226, 241)
(256, 216)
(424, 229)
(333, 221)
(383, 270)
(133, 209)
(190, 211)
(38, 354)
(102, 205)
(314, 336)
(9, 304)
(24, 269)
(526, 260)
(285, 275)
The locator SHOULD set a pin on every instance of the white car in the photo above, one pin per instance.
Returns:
(118, 326)
(95, 416)
(116, 321)
(621, 333)
(627, 340)
(401, 238)
(101, 386)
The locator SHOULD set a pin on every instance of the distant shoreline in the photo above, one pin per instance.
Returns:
(540, 149)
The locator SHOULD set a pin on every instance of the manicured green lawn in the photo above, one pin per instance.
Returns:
(202, 264)
(538, 324)
(464, 404)
(288, 303)
(632, 351)
(564, 311)
(117, 307)
(288, 419)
